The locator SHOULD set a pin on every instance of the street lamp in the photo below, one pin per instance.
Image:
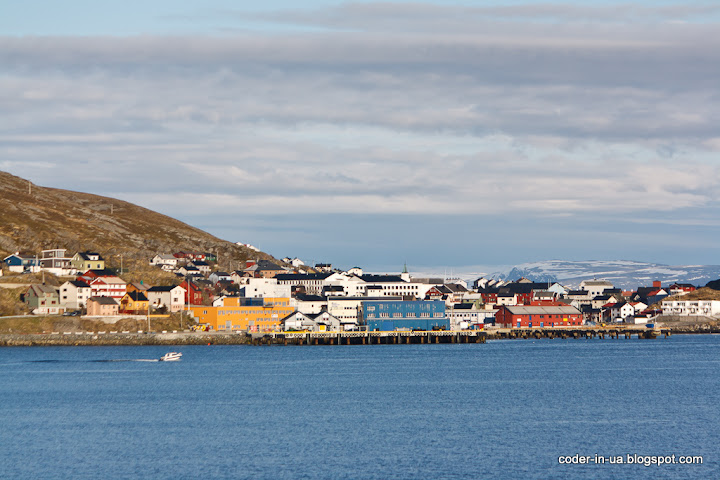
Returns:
(121, 262)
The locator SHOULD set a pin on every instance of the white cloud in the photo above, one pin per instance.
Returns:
(419, 109)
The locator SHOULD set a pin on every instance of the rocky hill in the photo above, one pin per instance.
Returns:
(33, 218)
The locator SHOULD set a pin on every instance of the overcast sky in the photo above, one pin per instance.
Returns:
(440, 134)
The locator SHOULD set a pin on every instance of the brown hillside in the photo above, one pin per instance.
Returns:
(33, 218)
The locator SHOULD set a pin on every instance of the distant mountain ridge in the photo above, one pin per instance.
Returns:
(623, 274)
(33, 218)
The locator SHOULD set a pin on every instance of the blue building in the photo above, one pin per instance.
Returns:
(392, 315)
(19, 263)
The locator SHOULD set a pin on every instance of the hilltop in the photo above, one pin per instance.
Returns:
(623, 274)
(33, 218)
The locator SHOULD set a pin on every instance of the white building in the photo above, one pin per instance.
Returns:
(114, 287)
(465, 315)
(74, 295)
(396, 285)
(595, 287)
(263, 287)
(165, 260)
(309, 304)
(319, 322)
(709, 308)
(626, 311)
(171, 297)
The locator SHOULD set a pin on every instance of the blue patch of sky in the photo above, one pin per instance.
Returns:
(165, 17)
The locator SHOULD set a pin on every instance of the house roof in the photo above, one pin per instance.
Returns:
(103, 300)
(79, 284)
(309, 298)
(262, 265)
(101, 272)
(89, 255)
(39, 290)
(525, 288)
(542, 310)
(289, 277)
(455, 288)
(462, 306)
(382, 278)
(137, 296)
(597, 283)
(168, 288)
(109, 280)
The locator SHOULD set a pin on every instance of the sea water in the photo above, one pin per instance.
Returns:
(506, 409)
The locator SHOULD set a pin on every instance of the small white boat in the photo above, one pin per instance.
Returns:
(171, 357)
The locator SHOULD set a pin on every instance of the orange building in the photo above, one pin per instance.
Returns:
(134, 302)
(251, 314)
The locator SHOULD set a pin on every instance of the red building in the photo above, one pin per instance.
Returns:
(681, 287)
(193, 292)
(513, 316)
(490, 297)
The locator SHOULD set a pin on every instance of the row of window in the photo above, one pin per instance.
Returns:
(408, 315)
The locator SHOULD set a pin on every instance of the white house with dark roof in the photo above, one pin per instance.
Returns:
(172, 297)
(219, 276)
(595, 287)
(165, 261)
(318, 322)
(202, 266)
(74, 294)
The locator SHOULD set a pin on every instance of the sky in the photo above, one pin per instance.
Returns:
(438, 134)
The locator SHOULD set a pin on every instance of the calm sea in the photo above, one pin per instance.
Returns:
(505, 409)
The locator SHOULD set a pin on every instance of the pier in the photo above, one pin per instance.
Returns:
(369, 338)
(582, 331)
(455, 336)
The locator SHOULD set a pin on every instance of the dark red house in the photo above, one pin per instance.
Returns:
(193, 292)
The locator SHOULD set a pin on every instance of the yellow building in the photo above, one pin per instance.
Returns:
(134, 302)
(84, 261)
(251, 314)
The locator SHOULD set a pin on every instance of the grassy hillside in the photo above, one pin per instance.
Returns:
(33, 218)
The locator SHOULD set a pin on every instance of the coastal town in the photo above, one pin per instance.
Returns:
(269, 296)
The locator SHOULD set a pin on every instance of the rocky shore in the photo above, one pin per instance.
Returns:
(206, 338)
(116, 339)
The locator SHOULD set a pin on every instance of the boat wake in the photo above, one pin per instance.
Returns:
(112, 360)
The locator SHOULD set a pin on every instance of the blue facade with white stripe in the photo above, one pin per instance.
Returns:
(399, 315)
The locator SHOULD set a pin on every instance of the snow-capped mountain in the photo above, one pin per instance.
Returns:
(623, 274)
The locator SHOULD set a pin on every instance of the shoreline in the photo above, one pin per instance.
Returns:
(205, 338)
(78, 339)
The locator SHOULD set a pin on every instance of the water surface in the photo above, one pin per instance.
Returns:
(505, 409)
